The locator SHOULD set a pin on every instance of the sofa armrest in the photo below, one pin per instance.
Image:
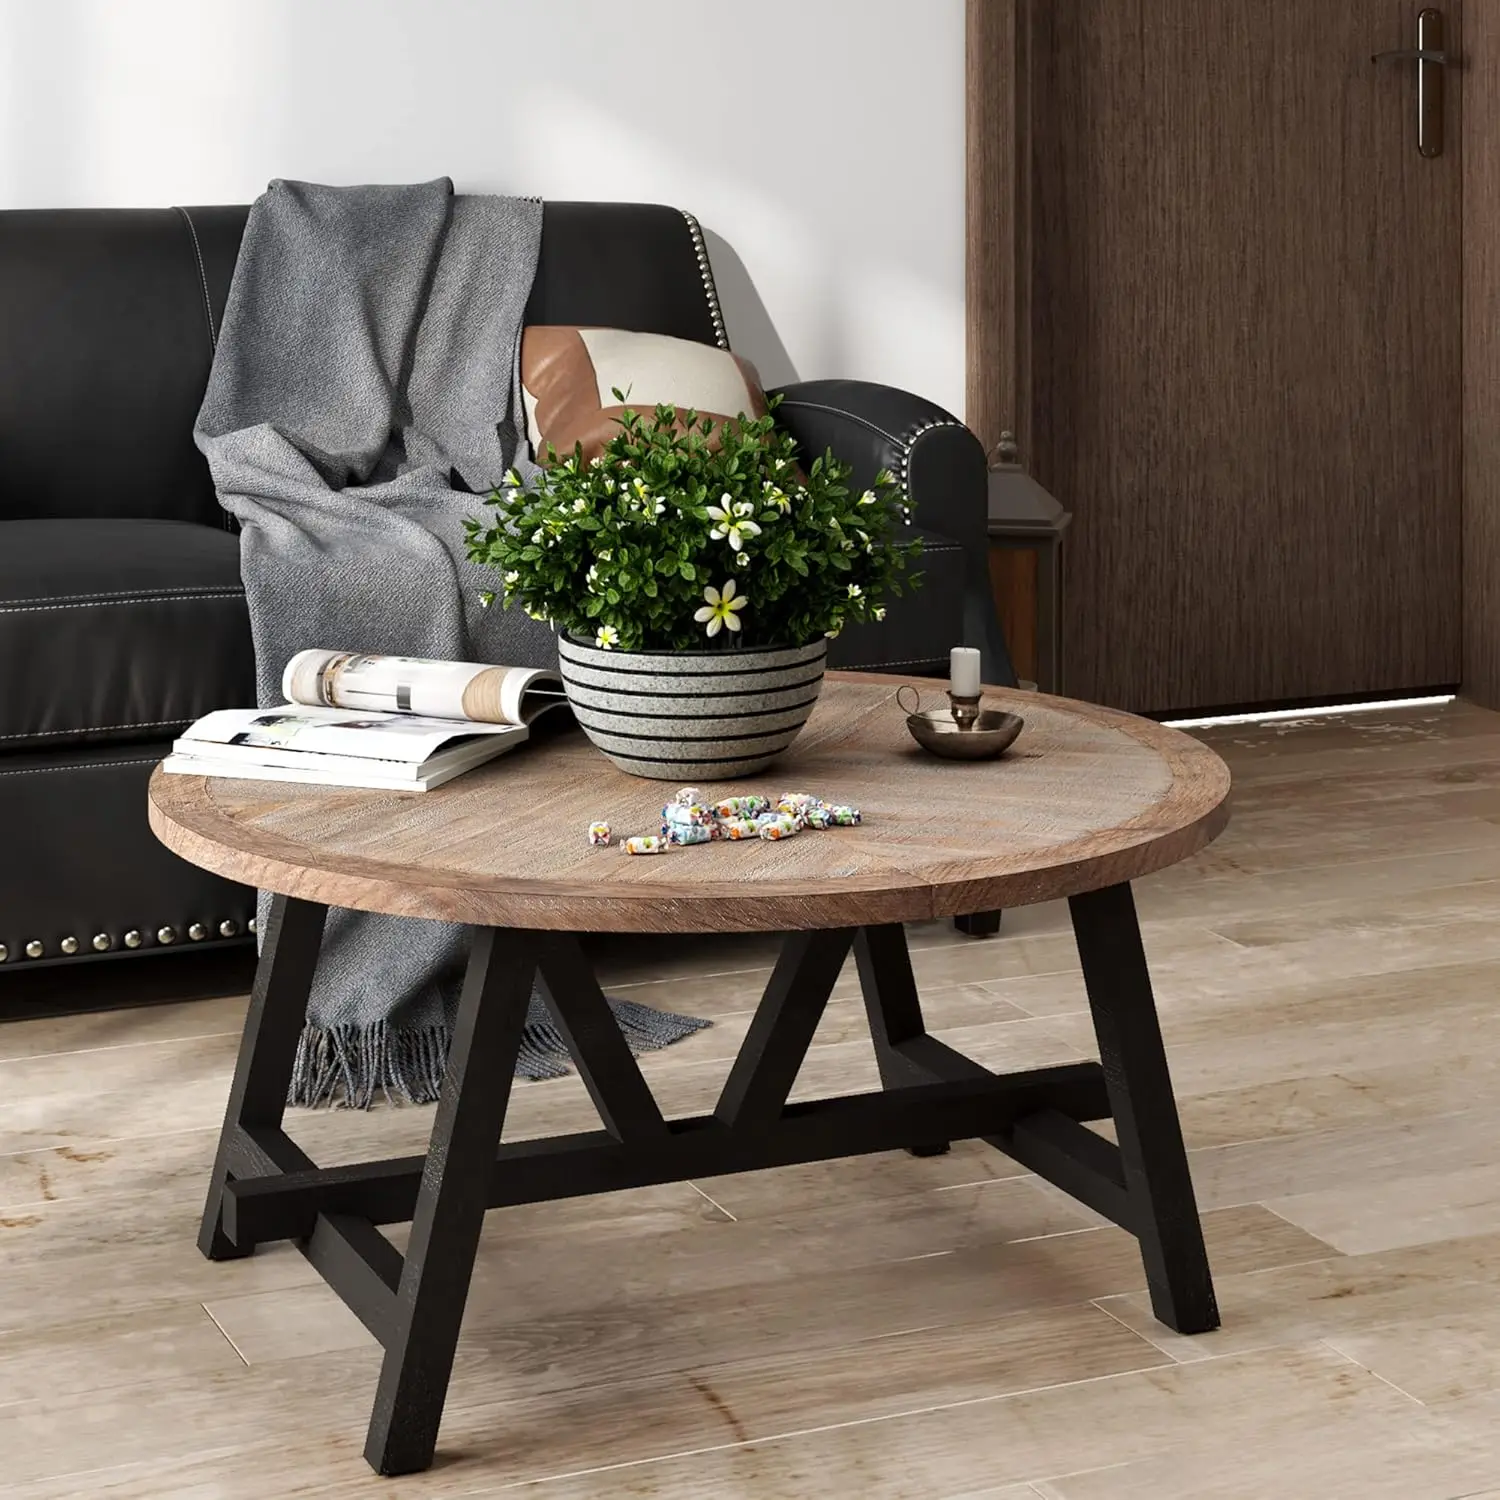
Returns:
(937, 461)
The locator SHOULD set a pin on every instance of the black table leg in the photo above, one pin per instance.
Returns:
(894, 1010)
(268, 1050)
(451, 1202)
(1159, 1188)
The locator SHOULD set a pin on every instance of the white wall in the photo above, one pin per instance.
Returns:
(821, 140)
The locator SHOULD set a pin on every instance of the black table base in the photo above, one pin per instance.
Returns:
(265, 1188)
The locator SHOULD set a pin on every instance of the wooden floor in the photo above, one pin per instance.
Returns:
(1329, 978)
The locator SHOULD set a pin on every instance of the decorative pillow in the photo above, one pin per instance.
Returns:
(569, 376)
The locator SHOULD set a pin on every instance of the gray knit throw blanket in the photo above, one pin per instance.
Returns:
(364, 386)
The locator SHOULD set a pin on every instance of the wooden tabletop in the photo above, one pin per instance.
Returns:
(1086, 797)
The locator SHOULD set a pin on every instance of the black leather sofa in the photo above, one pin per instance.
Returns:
(122, 617)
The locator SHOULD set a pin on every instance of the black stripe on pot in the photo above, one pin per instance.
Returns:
(756, 692)
(687, 760)
(789, 731)
(742, 713)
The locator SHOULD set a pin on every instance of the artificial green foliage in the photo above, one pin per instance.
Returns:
(681, 537)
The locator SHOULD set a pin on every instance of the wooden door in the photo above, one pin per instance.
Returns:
(1239, 310)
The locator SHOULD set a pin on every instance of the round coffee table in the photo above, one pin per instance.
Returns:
(1086, 801)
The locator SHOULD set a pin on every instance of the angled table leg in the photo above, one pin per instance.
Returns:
(268, 1050)
(451, 1202)
(894, 1010)
(1164, 1211)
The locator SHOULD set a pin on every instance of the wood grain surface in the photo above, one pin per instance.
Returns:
(994, 225)
(1244, 307)
(1087, 797)
(1478, 86)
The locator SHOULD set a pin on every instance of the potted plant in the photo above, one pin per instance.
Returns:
(695, 574)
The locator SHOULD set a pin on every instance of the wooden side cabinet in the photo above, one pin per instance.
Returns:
(1026, 527)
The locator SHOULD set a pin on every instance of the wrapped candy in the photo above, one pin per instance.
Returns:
(777, 826)
(844, 817)
(688, 833)
(740, 807)
(818, 817)
(645, 843)
(738, 828)
(688, 796)
(694, 814)
(599, 833)
(797, 802)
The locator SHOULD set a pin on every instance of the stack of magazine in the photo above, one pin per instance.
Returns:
(396, 723)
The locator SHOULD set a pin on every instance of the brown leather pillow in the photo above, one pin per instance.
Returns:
(568, 376)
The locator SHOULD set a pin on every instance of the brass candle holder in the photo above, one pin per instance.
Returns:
(963, 730)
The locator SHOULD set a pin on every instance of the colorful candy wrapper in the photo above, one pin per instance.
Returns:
(844, 817)
(818, 817)
(740, 807)
(645, 843)
(777, 826)
(688, 796)
(695, 814)
(795, 802)
(688, 833)
(599, 833)
(737, 828)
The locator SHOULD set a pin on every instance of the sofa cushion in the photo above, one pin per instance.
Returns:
(569, 376)
(118, 630)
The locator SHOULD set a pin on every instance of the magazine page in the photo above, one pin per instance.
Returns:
(418, 685)
(408, 738)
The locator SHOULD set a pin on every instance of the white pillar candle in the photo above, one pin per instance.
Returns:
(963, 672)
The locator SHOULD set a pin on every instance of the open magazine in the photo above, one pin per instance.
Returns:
(397, 723)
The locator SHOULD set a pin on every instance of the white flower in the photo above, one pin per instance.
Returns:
(742, 559)
(855, 591)
(639, 486)
(868, 498)
(732, 521)
(605, 554)
(609, 486)
(652, 507)
(723, 609)
(879, 612)
(580, 505)
(538, 535)
(537, 614)
(512, 578)
(592, 578)
(608, 638)
(833, 634)
(597, 461)
(777, 465)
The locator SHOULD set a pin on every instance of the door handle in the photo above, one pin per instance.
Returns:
(1414, 53)
(1431, 59)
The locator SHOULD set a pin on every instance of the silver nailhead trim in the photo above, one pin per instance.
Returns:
(166, 934)
(69, 945)
(252, 925)
(132, 939)
(706, 271)
(228, 928)
(34, 949)
(4, 953)
(103, 942)
(197, 932)
(909, 442)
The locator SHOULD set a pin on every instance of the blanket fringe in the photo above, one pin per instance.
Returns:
(350, 1066)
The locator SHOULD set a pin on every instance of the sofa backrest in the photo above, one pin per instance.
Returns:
(108, 319)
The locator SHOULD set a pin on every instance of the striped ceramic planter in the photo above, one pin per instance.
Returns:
(692, 715)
